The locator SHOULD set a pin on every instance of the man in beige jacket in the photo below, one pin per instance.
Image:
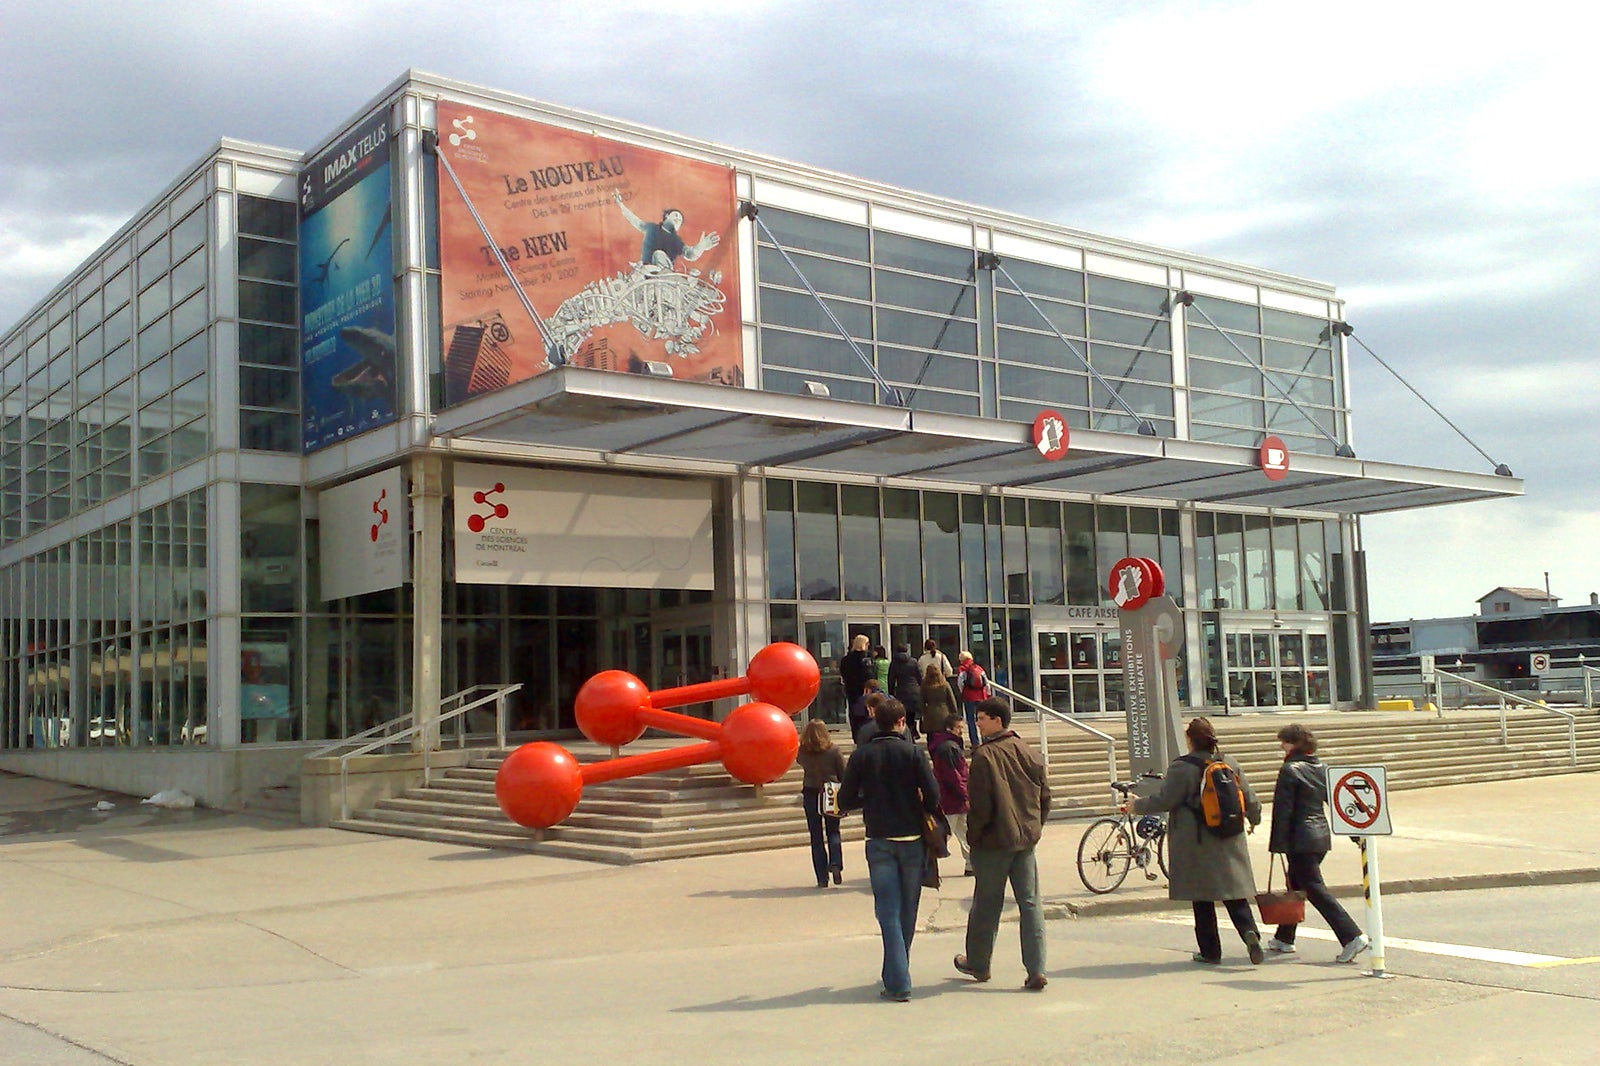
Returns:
(1008, 801)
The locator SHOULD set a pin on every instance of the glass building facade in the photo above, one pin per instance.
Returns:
(162, 550)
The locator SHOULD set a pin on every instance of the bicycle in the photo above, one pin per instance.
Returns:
(1112, 846)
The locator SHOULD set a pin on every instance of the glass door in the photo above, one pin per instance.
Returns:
(1080, 670)
(1277, 667)
(824, 638)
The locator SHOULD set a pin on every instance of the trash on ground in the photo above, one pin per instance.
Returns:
(170, 797)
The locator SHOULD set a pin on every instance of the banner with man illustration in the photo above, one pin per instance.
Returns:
(627, 255)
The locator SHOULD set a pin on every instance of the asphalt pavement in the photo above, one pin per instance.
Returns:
(135, 935)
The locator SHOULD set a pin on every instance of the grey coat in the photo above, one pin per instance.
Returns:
(1203, 866)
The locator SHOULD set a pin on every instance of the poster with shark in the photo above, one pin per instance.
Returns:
(626, 256)
(349, 372)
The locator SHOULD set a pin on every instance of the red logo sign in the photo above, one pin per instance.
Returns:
(496, 509)
(382, 513)
(1134, 582)
(1274, 458)
(1050, 435)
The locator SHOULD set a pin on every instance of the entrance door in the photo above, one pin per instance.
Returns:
(1080, 669)
(683, 657)
(1277, 667)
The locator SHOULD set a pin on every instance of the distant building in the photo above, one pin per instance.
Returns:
(1495, 645)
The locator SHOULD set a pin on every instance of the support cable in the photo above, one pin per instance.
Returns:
(891, 394)
(990, 261)
(552, 348)
(1344, 451)
(1348, 330)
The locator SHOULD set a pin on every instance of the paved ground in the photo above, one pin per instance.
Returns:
(154, 937)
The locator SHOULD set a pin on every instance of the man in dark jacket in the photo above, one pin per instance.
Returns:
(905, 685)
(892, 783)
(1008, 799)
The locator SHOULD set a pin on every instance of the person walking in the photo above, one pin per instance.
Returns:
(891, 782)
(821, 762)
(1301, 834)
(1206, 868)
(938, 702)
(880, 667)
(932, 656)
(946, 751)
(861, 709)
(905, 685)
(974, 689)
(1008, 800)
(855, 667)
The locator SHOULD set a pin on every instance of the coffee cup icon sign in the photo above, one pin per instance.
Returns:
(1274, 458)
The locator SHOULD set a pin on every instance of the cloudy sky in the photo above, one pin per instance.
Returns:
(1439, 168)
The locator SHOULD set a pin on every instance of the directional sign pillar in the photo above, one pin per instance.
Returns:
(1152, 634)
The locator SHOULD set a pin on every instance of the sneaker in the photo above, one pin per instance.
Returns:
(838, 876)
(1349, 952)
(894, 997)
(1036, 983)
(1206, 959)
(973, 972)
(1278, 947)
(1252, 943)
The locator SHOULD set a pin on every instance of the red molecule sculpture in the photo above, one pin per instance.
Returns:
(540, 784)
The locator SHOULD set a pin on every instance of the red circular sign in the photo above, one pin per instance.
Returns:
(1134, 581)
(1274, 456)
(1356, 799)
(1050, 435)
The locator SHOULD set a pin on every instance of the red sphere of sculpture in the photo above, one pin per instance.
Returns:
(608, 705)
(759, 742)
(538, 785)
(784, 675)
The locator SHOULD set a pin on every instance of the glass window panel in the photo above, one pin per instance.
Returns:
(1039, 349)
(1298, 358)
(155, 380)
(266, 259)
(1318, 391)
(794, 384)
(1041, 386)
(974, 579)
(1258, 562)
(1303, 420)
(934, 369)
(1285, 563)
(826, 275)
(913, 253)
(860, 551)
(949, 402)
(926, 331)
(1044, 551)
(268, 218)
(1249, 438)
(189, 358)
(267, 344)
(941, 546)
(190, 316)
(1214, 345)
(926, 294)
(1228, 377)
(1128, 295)
(1146, 399)
(1294, 327)
(1203, 405)
(992, 546)
(1014, 550)
(1140, 364)
(1015, 311)
(155, 340)
(153, 261)
(119, 327)
(801, 311)
(190, 232)
(267, 303)
(1228, 314)
(264, 387)
(189, 275)
(189, 400)
(825, 355)
(154, 301)
(1083, 583)
(1313, 567)
(795, 231)
(902, 552)
(269, 547)
(817, 540)
(118, 289)
(1126, 329)
(780, 539)
(269, 431)
(1035, 279)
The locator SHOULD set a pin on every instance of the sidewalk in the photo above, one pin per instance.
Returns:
(117, 920)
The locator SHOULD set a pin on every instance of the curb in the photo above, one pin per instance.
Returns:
(1111, 906)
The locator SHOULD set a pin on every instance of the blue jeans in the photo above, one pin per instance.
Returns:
(895, 868)
(970, 712)
(992, 870)
(827, 851)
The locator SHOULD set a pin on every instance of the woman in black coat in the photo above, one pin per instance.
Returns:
(1300, 833)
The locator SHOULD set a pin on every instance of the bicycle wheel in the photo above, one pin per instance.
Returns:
(1104, 854)
(1161, 855)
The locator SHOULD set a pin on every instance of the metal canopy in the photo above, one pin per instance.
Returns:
(669, 421)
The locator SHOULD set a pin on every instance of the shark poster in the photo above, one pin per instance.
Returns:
(349, 371)
(625, 255)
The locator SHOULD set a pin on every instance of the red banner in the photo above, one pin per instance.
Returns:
(628, 255)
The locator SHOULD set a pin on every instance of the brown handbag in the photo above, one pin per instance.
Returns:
(1281, 908)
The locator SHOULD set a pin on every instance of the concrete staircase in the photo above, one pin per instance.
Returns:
(703, 811)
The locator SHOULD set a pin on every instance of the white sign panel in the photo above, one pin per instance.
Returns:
(1358, 801)
(517, 526)
(364, 535)
(1539, 663)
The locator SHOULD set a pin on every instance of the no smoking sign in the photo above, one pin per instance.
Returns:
(1358, 801)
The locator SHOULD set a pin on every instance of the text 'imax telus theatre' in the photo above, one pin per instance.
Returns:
(488, 392)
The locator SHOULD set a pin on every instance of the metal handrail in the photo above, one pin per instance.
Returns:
(1589, 673)
(1503, 697)
(1046, 713)
(497, 696)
